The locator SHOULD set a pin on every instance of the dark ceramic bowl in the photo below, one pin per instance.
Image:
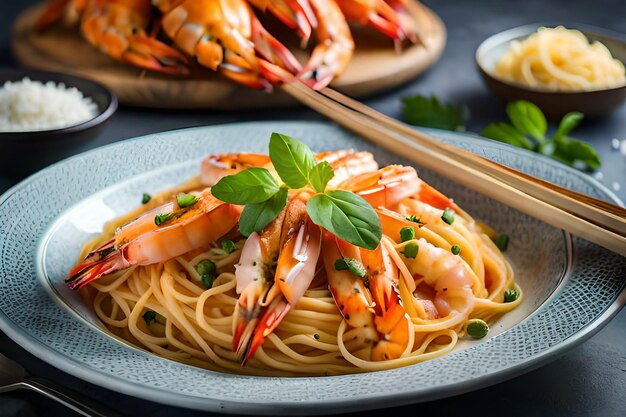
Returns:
(22, 153)
(553, 104)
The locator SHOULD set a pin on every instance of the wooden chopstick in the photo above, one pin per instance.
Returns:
(596, 211)
(589, 221)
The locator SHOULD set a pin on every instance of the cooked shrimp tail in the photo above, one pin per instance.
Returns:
(149, 53)
(334, 47)
(264, 301)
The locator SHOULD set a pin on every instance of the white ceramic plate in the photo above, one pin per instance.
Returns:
(571, 287)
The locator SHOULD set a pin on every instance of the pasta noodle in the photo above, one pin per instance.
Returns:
(194, 325)
(560, 59)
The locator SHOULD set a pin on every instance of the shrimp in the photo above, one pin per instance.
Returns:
(215, 167)
(452, 279)
(225, 35)
(385, 187)
(377, 14)
(334, 48)
(369, 304)
(143, 242)
(295, 14)
(275, 269)
(118, 29)
(344, 163)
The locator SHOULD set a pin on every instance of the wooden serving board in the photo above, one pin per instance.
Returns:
(375, 67)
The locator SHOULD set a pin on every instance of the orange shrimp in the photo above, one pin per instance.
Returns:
(225, 35)
(143, 242)
(267, 295)
(118, 29)
(369, 303)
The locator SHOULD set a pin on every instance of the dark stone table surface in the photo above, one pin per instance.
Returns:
(590, 380)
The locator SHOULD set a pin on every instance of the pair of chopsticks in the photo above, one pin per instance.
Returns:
(581, 215)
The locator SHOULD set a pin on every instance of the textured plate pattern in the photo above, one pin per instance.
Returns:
(30, 316)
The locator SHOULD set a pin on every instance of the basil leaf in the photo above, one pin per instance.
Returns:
(528, 119)
(320, 175)
(347, 216)
(292, 159)
(250, 186)
(504, 132)
(256, 216)
(567, 124)
(571, 151)
(421, 111)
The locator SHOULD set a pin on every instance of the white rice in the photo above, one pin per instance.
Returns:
(31, 105)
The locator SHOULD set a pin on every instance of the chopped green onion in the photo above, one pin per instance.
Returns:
(207, 281)
(477, 328)
(501, 241)
(511, 295)
(228, 246)
(455, 249)
(159, 219)
(352, 265)
(206, 267)
(149, 316)
(207, 271)
(316, 336)
(411, 250)
(414, 219)
(448, 215)
(407, 233)
(186, 200)
(146, 198)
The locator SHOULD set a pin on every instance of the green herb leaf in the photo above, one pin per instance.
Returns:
(146, 198)
(411, 250)
(149, 316)
(292, 159)
(528, 119)
(352, 265)
(421, 111)
(455, 249)
(504, 132)
(320, 175)
(511, 295)
(567, 124)
(256, 216)
(572, 152)
(501, 241)
(159, 219)
(415, 219)
(347, 216)
(228, 246)
(407, 233)
(207, 281)
(250, 186)
(206, 267)
(448, 215)
(186, 200)
(477, 328)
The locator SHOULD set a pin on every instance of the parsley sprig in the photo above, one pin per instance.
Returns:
(343, 213)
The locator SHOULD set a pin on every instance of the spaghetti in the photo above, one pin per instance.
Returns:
(560, 59)
(192, 324)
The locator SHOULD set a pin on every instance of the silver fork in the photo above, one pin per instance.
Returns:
(13, 376)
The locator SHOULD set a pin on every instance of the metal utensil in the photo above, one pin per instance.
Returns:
(14, 376)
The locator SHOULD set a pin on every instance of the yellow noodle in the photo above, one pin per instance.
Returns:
(194, 325)
(560, 59)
